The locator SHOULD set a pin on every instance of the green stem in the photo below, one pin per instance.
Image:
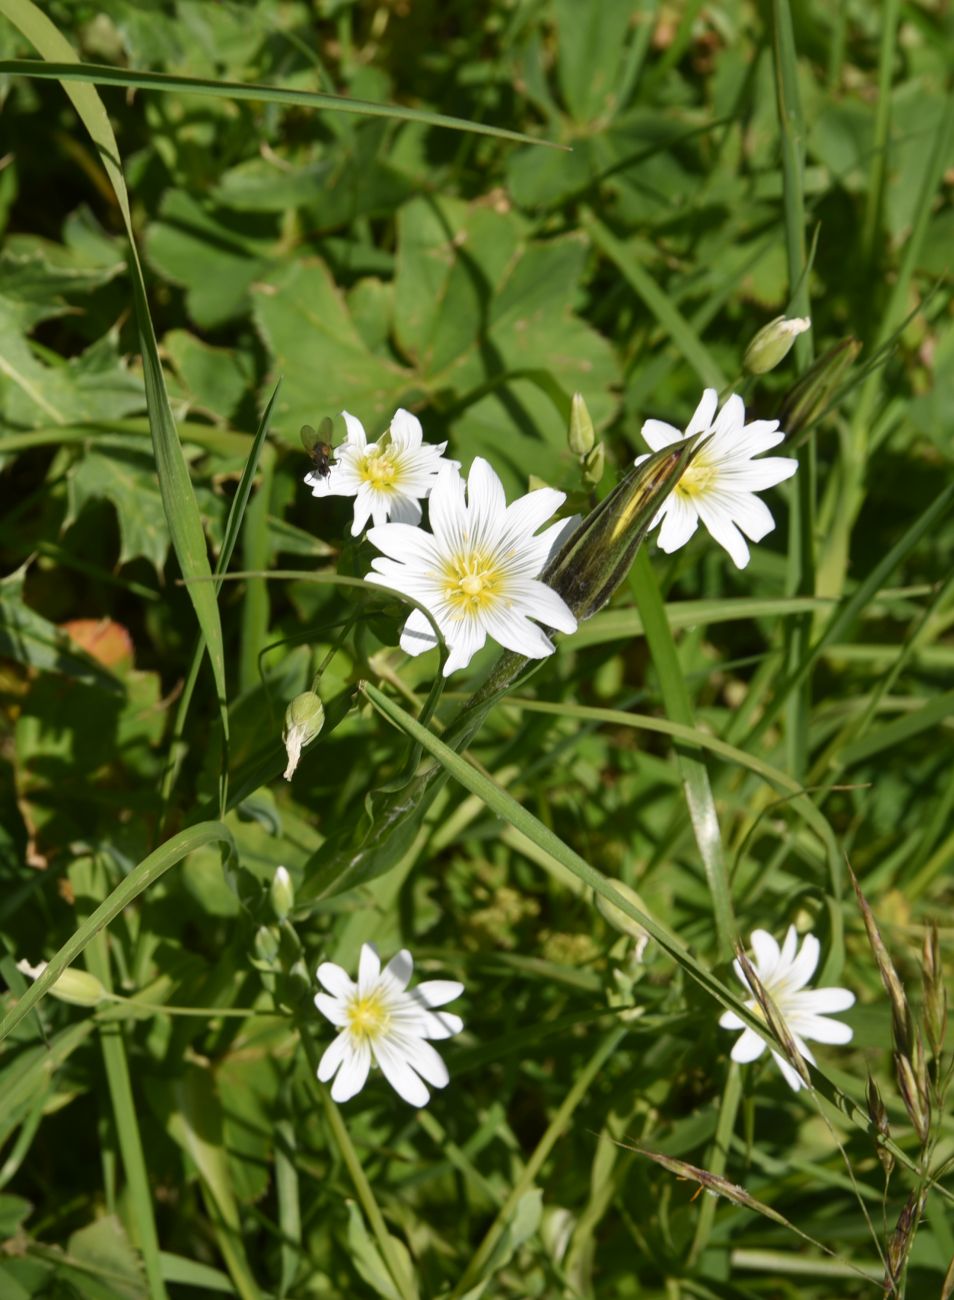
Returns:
(474, 1271)
(339, 1132)
(718, 1156)
(694, 773)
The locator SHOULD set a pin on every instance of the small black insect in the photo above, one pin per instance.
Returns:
(320, 450)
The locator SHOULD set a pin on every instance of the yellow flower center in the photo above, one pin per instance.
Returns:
(368, 1016)
(698, 479)
(471, 582)
(378, 469)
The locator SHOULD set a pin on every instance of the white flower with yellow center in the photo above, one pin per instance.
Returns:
(783, 974)
(719, 485)
(384, 1023)
(388, 479)
(477, 571)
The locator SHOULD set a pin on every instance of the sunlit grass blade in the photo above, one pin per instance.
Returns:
(695, 778)
(101, 74)
(233, 527)
(139, 879)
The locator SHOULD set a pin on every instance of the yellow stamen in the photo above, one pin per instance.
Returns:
(472, 582)
(698, 479)
(379, 470)
(368, 1016)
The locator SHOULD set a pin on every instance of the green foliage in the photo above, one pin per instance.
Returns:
(511, 204)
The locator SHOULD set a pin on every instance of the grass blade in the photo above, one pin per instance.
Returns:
(101, 74)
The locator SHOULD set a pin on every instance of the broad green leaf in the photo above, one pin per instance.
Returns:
(105, 1249)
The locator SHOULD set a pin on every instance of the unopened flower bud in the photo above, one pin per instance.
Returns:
(773, 343)
(805, 401)
(78, 987)
(581, 436)
(267, 944)
(282, 893)
(304, 718)
(597, 555)
(594, 463)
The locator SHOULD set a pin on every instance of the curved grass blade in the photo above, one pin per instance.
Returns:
(175, 485)
(139, 879)
(101, 74)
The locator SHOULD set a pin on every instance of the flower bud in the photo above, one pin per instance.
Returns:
(304, 718)
(593, 465)
(267, 944)
(78, 987)
(581, 436)
(282, 893)
(805, 401)
(773, 343)
(597, 555)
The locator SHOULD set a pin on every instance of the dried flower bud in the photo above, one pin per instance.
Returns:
(594, 462)
(304, 718)
(582, 436)
(77, 987)
(902, 1239)
(282, 893)
(773, 343)
(935, 994)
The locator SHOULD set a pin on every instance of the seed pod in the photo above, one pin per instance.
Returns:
(902, 1239)
(911, 1095)
(902, 1025)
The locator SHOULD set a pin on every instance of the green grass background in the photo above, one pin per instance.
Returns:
(722, 163)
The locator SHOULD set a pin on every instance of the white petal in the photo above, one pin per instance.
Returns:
(356, 435)
(333, 1009)
(468, 638)
(789, 945)
(823, 1030)
(406, 429)
(537, 600)
(730, 419)
(363, 506)
(525, 515)
(679, 522)
(429, 1065)
(487, 502)
(400, 969)
(417, 635)
(704, 413)
(722, 530)
(402, 542)
(767, 955)
(435, 993)
(369, 968)
(515, 632)
(793, 1079)
(335, 979)
(658, 434)
(399, 1074)
(440, 1024)
(334, 1054)
(729, 1020)
(353, 1074)
(757, 475)
(748, 1047)
(752, 515)
(823, 1001)
(805, 964)
(446, 510)
(404, 509)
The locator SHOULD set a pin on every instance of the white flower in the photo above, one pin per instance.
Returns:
(719, 486)
(477, 572)
(387, 478)
(783, 974)
(383, 1022)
